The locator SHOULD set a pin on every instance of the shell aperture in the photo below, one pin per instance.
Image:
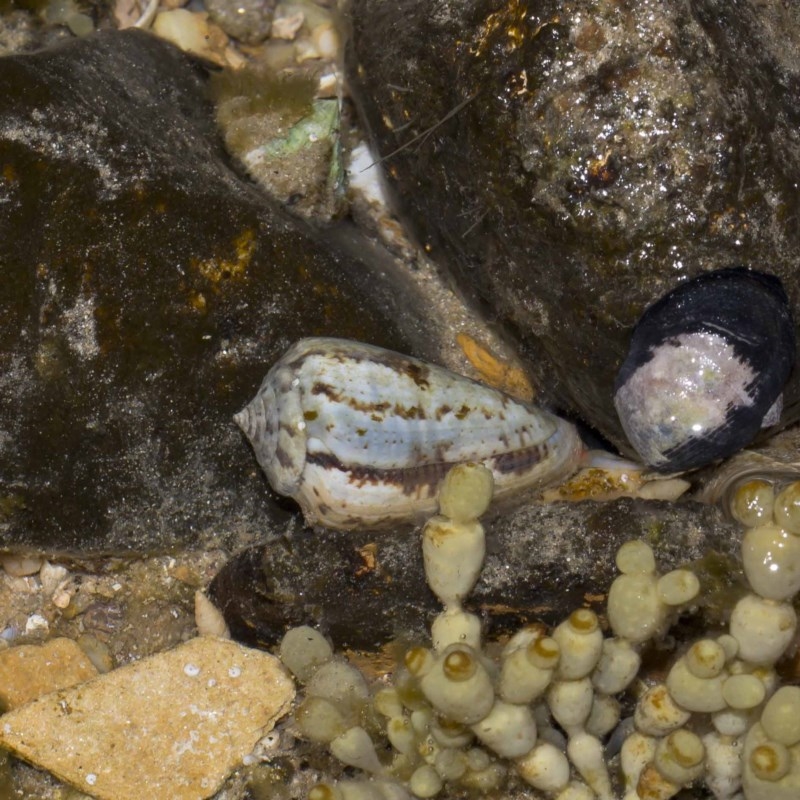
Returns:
(706, 367)
(361, 437)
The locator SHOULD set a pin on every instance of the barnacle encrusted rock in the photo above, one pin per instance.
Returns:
(573, 162)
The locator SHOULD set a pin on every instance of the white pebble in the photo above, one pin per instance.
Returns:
(20, 566)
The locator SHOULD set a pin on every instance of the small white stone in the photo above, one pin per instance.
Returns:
(36, 623)
(20, 566)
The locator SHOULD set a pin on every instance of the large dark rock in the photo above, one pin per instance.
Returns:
(571, 163)
(146, 289)
(542, 562)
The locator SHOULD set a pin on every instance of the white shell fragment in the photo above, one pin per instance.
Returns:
(361, 437)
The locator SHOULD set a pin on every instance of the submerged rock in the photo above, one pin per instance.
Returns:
(191, 715)
(147, 288)
(542, 561)
(572, 163)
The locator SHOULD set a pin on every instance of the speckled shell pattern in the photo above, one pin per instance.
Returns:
(361, 437)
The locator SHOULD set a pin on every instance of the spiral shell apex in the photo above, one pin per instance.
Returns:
(361, 437)
(706, 369)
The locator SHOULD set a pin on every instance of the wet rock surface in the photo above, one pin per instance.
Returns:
(29, 671)
(191, 714)
(571, 163)
(147, 287)
(365, 591)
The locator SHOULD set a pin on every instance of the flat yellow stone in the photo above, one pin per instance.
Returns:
(170, 726)
(30, 670)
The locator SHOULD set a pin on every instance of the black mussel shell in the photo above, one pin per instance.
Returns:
(706, 368)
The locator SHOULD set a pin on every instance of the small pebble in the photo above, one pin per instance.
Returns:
(20, 566)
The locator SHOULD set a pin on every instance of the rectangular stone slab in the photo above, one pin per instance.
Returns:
(171, 725)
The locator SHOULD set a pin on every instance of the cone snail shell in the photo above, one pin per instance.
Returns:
(361, 437)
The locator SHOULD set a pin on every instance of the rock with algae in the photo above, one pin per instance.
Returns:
(572, 162)
(146, 288)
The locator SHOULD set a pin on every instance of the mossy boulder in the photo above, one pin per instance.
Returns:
(147, 288)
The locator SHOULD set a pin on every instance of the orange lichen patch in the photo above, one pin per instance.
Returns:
(217, 269)
(594, 483)
(501, 375)
(509, 19)
(607, 483)
(197, 300)
(374, 665)
(369, 555)
(593, 599)
(602, 171)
